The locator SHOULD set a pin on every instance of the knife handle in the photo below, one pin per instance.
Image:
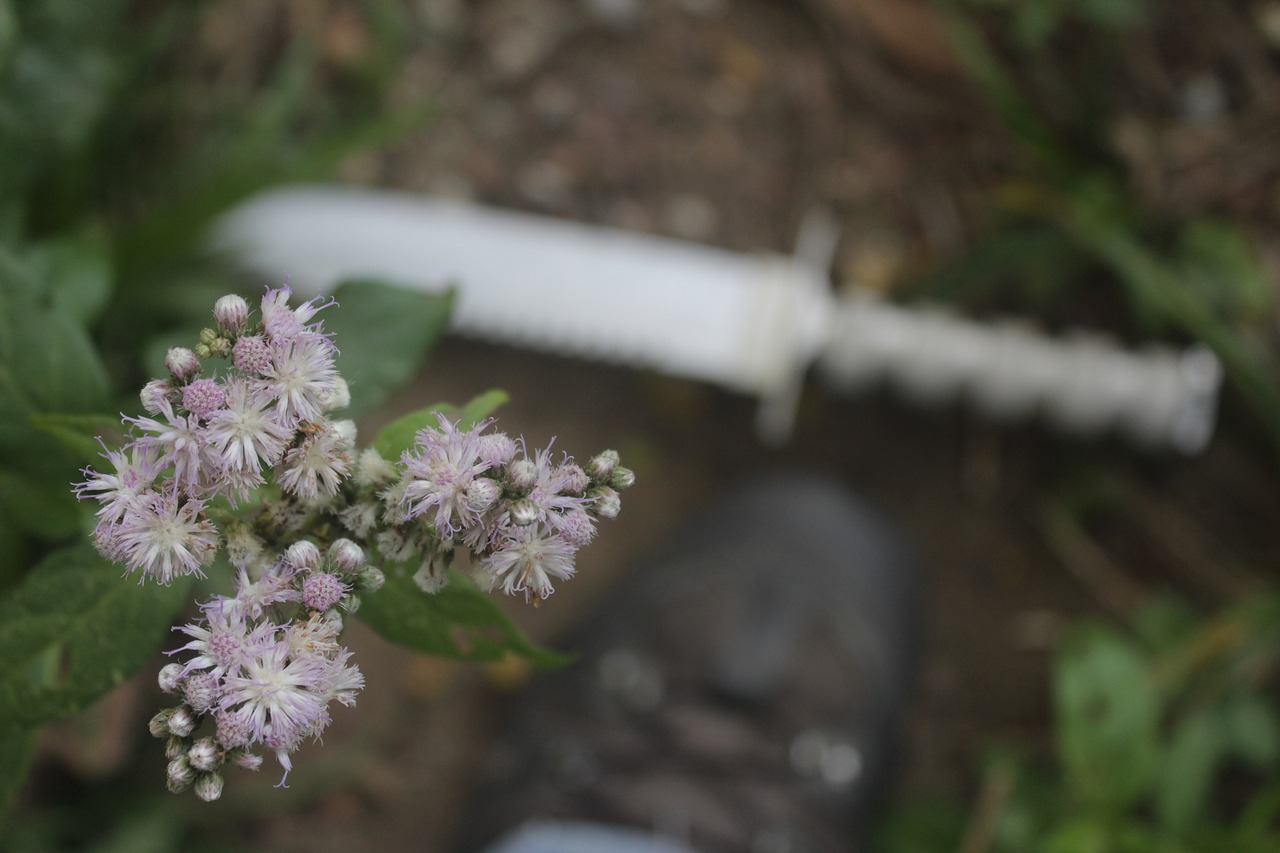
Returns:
(1081, 383)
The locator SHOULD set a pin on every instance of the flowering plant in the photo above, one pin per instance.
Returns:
(238, 455)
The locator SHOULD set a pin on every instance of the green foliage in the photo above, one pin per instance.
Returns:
(397, 437)
(49, 367)
(385, 335)
(73, 630)
(1069, 215)
(1146, 723)
(1108, 720)
(458, 622)
(111, 170)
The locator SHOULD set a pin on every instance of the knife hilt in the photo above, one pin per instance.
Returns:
(1082, 383)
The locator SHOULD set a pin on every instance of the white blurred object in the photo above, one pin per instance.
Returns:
(751, 323)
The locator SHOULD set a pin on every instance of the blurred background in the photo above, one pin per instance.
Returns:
(1102, 628)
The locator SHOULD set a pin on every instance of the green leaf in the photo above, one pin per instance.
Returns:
(384, 335)
(76, 273)
(72, 631)
(78, 434)
(16, 751)
(397, 437)
(1107, 719)
(47, 362)
(39, 506)
(458, 622)
(1186, 778)
(1252, 728)
(481, 407)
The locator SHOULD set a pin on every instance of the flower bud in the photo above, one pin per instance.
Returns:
(155, 396)
(350, 603)
(179, 775)
(182, 363)
(433, 575)
(482, 494)
(607, 503)
(622, 478)
(175, 746)
(336, 396)
(496, 449)
(302, 555)
(252, 355)
(181, 722)
(159, 724)
(572, 479)
(246, 760)
(321, 590)
(203, 397)
(204, 755)
(523, 473)
(346, 555)
(576, 527)
(231, 313)
(208, 336)
(603, 464)
(243, 547)
(370, 579)
(209, 786)
(201, 690)
(524, 512)
(346, 430)
(372, 469)
(170, 678)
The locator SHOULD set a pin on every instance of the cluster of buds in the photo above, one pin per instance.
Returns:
(262, 666)
(477, 498)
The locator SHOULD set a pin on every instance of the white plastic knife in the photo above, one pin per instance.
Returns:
(750, 323)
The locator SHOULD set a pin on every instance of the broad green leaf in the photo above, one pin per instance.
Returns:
(47, 363)
(1107, 720)
(384, 335)
(14, 551)
(76, 274)
(481, 407)
(1252, 728)
(16, 751)
(79, 434)
(72, 631)
(1186, 777)
(42, 507)
(459, 622)
(397, 437)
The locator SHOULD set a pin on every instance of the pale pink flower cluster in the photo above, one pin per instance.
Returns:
(220, 436)
(523, 517)
(258, 682)
(261, 667)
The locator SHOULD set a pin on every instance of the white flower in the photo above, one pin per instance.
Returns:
(299, 378)
(166, 538)
(245, 434)
(322, 461)
(527, 558)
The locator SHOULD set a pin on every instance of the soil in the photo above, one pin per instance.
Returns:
(725, 121)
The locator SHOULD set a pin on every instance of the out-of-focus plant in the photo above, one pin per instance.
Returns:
(1167, 741)
(1068, 221)
(116, 152)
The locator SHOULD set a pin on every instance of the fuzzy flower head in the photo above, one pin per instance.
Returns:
(136, 469)
(439, 474)
(164, 537)
(526, 560)
(299, 378)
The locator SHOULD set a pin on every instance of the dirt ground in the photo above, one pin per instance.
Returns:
(724, 121)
